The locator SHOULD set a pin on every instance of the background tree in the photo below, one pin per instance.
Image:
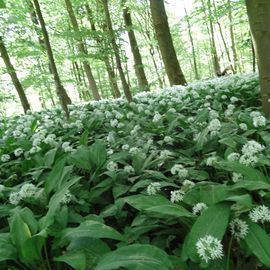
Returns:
(259, 14)
(165, 42)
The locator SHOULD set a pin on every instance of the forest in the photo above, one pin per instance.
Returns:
(134, 134)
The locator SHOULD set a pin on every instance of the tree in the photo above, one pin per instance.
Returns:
(116, 50)
(165, 42)
(13, 75)
(83, 51)
(259, 14)
(138, 65)
(60, 90)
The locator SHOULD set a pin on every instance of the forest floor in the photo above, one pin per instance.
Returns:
(123, 184)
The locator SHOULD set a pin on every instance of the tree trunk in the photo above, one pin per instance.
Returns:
(82, 49)
(60, 90)
(138, 65)
(13, 75)
(213, 43)
(259, 14)
(235, 58)
(172, 67)
(116, 51)
(192, 47)
(111, 74)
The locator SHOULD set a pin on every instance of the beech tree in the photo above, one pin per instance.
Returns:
(160, 20)
(259, 19)
(60, 90)
(13, 75)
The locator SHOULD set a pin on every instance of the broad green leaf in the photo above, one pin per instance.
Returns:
(93, 229)
(98, 153)
(249, 173)
(77, 260)
(213, 221)
(258, 242)
(49, 157)
(135, 257)
(7, 249)
(55, 203)
(173, 210)
(81, 158)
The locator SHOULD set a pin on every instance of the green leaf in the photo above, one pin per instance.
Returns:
(81, 158)
(135, 257)
(249, 173)
(7, 250)
(77, 260)
(55, 202)
(258, 242)
(157, 205)
(93, 229)
(213, 221)
(98, 153)
(49, 157)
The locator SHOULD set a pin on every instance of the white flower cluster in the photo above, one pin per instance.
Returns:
(258, 119)
(179, 170)
(214, 127)
(211, 160)
(209, 248)
(177, 196)
(260, 214)
(67, 147)
(67, 198)
(26, 191)
(198, 208)
(153, 188)
(239, 228)
(112, 166)
(233, 156)
(164, 154)
(236, 177)
(129, 169)
(243, 126)
(5, 157)
(249, 152)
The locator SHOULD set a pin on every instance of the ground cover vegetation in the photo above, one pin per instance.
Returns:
(176, 179)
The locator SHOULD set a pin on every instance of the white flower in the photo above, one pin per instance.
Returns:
(243, 126)
(128, 169)
(213, 114)
(259, 121)
(211, 160)
(114, 122)
(233, 156)
(209, 248)
(125, 147)
(168, 139)
(214, 126)
(239, 228)
(177, 196)
(67, 198)
(236, 177)
(18, 152)
(198, 208)
(248, 160)
(67, 148)
(187, 184)
(153, 188)
(234, 99)
(134, 150)
(157, 117)
(15, 198)
(223, 97)
(180, 170)
(28, 191)
(112, 166)
(5, 158)
(260, 214)
(164, 154)
(252, 147)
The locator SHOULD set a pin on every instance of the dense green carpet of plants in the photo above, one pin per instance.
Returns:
(177, 179)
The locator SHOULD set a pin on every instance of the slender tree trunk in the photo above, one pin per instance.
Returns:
(223, 37)
(13, 75)
(192, 47)
(111, 74)
(138, 65)
(82, 50)
(259, 19)
(116, 51)
(253, 56)
(213, 43)
(235, 57)
(60, 90)
(172, 67)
